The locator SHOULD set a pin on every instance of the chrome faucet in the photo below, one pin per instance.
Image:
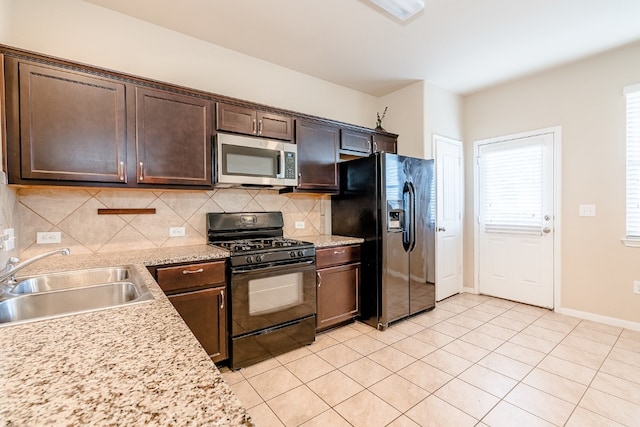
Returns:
(8, 277)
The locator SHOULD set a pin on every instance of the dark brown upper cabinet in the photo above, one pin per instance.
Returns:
(250, 121)
(354, 141)
(173, 138)
(384, 143)
(317, 156)
(64, 125)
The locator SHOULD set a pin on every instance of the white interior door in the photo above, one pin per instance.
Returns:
(515, 224)
(448, 217)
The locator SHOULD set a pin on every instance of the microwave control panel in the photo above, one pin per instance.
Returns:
(289, 165)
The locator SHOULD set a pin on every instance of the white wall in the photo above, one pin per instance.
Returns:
(406, 112)
(421, 110)
(585, 98)
(442, 116)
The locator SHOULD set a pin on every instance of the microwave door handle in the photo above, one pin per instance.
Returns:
(279, 158)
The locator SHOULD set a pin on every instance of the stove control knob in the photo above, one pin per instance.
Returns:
(258, 258)
(249, 259)
(292, 254)
(300, 253)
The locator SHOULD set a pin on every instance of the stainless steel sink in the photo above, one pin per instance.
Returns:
(70, 279)
(61, 294)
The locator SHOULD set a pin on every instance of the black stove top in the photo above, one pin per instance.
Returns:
(256, 238)
(252, 245)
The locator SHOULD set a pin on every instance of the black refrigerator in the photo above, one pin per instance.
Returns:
(389, 200)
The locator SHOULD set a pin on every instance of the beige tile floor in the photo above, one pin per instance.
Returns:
(472, 361)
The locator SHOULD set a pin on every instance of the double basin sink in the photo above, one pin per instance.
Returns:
(53, 295)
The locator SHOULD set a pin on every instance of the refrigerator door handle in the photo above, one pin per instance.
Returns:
(406, 208)
(412, 216)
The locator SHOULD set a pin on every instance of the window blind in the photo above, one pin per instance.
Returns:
(512, 188)
(632, 94)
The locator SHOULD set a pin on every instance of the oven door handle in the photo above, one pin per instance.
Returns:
(272, 267)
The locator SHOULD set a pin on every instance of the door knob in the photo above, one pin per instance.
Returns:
(441, 229)
(546, 230)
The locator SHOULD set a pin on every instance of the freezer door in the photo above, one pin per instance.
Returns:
(421, 178)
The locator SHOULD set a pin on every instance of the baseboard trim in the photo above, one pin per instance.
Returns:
(613, 321)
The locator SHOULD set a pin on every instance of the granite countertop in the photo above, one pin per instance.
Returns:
(132, 365)
(136, 365)
(327, 240)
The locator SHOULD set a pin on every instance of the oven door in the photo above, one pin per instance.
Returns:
(265, 297)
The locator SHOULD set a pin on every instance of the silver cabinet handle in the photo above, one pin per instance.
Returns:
(222, 299)
(200, 270)
(141, 171)
(253, 126)
(375, 147)
(339, 252)
(121, 171)
(319, 278)
(260, 127)
(369, 146)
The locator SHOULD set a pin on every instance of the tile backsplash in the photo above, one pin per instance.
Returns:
(74, 213)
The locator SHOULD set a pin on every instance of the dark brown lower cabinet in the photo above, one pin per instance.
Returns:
(205, 313)
(338, 280)
(198, 293)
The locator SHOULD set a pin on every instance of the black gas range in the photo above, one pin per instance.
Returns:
(266, 250)
(272, 285)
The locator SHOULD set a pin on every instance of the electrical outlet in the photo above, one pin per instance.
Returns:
(299, 225)
(9, 240)
(177, 232)
(48, 237)
(587, 210)
(636, 286)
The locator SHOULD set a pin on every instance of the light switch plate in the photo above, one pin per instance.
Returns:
(299, 225)
(587, 210)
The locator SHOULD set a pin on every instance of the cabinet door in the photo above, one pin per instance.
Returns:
(317, 156)
(385, 144)
(205, 313)
(337, 294)
(72, 125)
(274, 126)
(234, 118)
(352, 140)
(173, 138)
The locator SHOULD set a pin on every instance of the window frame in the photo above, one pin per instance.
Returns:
(632, 143)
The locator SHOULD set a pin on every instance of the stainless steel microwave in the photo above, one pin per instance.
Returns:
(244, 160)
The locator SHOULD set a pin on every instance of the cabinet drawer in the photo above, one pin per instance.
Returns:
(337, 255)
(190, 276)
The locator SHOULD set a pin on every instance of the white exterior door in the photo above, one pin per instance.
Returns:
(448, 217)
(515, 218)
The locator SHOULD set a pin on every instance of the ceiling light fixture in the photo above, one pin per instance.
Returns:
(401, 9)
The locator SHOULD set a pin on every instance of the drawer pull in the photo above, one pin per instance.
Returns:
(339, 252)
(319, 281)
(200, 270)
(222, 300)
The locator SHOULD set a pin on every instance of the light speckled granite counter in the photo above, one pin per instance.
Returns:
(327, 240)
(136, 365)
